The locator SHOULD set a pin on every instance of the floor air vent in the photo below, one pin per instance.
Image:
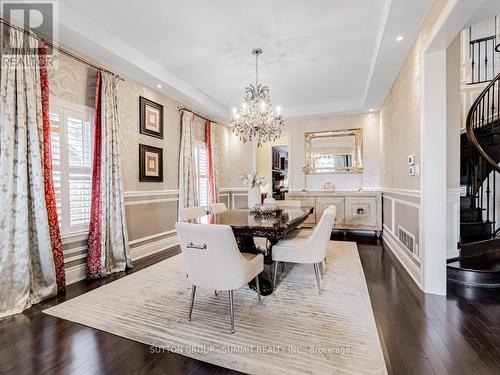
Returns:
(407, 239)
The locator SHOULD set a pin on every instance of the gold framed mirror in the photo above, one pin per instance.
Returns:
(334, 151)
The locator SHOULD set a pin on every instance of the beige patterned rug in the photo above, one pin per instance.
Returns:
(294, 331)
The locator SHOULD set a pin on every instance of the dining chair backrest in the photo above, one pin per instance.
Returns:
(190, 213)
(288, 203)
(320, 237)
(218, 208)
(269, 200)
(211, 255)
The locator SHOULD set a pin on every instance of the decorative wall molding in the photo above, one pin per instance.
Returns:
(79, 272)
(402, 201)
(236, 195)
(226, 195)
(151, 237)
(147, 193)
(152, 248)
(233, 189)
(405, 260)
(405, 192)
(150, 201)
(73, 254)
(72, 237)
(453, 221)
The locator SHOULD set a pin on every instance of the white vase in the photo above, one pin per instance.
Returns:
(253, 196)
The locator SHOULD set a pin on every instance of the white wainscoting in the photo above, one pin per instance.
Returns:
(395, 246)
(391, 238)
(78, 272)
(164, 240)
(453, 221)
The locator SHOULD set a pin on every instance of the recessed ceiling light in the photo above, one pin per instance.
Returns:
(371, 110)
(159, 86)
(399, 38)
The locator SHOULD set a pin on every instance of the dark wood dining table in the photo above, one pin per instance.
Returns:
(246, 225)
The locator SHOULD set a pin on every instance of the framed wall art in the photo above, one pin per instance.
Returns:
(150, 118)
(150, 164)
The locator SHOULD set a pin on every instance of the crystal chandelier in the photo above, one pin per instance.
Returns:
(256, 118)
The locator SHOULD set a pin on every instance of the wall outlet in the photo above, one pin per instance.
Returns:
(411, 159)
(411, 170)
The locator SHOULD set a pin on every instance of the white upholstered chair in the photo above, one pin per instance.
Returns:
(190, 213)
(213, 260)
(311, 250)
(218, 208)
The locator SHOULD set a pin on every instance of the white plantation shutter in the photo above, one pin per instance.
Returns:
(72, 164)
(79, 170)
(55, 142)
(202, 172)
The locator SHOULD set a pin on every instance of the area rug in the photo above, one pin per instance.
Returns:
(294, 331)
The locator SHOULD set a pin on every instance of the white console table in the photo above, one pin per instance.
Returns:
(356, 210)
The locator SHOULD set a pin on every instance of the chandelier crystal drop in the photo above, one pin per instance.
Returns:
(256, 118)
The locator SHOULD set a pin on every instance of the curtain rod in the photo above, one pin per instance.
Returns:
(60, 49)
(196, 114)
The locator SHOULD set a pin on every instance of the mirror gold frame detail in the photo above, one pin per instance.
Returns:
(357, 161)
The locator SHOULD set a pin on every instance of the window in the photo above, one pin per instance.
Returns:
(71, 137)
(200, 154)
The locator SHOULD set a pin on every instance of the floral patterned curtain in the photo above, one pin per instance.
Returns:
(50, 195)
(27, 272)
(188, 190)
(108, 249)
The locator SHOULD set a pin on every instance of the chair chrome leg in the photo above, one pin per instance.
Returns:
(193, 292)
(321, 270)
(282, 267)
(275, 272)
(216, 293)
(231, 310)
(325, 261)
(257, 286)
(318, 277)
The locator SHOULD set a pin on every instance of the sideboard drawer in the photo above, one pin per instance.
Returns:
(322, 204)
(361, 211)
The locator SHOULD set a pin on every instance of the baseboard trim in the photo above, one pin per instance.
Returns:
(152, 248)
(403, 258)
(76, 273)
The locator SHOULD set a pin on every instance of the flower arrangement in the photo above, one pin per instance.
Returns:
(253, 179)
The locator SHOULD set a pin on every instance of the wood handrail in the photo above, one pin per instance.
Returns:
(470, 125)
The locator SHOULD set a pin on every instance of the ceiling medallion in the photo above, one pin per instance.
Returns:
(256, 118)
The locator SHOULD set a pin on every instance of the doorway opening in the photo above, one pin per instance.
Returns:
(273, 160)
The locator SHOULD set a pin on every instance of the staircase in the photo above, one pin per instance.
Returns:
(479, 260)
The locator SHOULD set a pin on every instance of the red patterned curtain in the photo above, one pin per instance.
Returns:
(50, 196)
(211, 177)
(94, 241)
(108, 247)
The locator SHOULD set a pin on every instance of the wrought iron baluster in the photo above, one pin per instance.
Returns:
(488, 198)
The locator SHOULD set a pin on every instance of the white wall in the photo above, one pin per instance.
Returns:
(371, 151)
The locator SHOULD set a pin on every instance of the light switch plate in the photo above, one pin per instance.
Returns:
(411, 170)
(411, 159)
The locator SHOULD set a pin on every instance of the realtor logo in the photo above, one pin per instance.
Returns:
(39, 17)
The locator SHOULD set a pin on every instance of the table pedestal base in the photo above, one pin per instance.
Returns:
(247, 244)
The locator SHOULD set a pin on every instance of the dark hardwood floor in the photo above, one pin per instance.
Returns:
(420, 334)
